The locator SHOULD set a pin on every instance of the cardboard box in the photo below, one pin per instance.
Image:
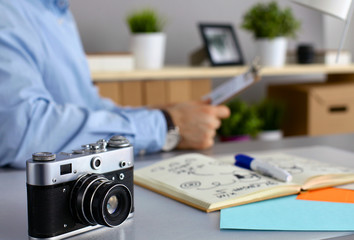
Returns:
(316, 109)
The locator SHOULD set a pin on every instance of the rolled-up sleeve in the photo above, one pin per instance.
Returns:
(32, 121)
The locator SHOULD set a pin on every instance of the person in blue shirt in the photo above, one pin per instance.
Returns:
(48, 101)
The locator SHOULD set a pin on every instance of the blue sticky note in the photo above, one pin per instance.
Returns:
(288, 213)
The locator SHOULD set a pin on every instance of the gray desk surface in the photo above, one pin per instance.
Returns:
(158, 217)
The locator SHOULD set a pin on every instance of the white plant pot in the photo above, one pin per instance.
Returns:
(271, 135)
(148, 50)
(272, 52)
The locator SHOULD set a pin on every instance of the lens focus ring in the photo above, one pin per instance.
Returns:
(103, 211)
(97, 200)
(78, 195)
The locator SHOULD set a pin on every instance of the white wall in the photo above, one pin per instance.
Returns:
(333, 29)
(103, 29)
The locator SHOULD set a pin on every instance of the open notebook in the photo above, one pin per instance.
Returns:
(211, 184)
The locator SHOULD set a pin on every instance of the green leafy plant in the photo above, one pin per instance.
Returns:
(242, 121)
(268, 20)
(145, 21)
(271, 113)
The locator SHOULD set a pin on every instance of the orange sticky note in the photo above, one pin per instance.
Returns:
(328, 195)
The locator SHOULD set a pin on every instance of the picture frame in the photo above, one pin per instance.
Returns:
(221, 44)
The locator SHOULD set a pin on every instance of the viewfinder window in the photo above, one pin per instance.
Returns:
(65, 169)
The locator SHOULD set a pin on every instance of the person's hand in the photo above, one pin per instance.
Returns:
(197, 122)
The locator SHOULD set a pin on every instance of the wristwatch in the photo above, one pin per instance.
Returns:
(172, 135)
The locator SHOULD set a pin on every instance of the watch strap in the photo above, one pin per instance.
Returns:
(169, 121)
(172, 133)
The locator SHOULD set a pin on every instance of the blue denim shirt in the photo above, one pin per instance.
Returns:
(47, 99)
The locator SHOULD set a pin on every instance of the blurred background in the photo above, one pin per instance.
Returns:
(103, 28)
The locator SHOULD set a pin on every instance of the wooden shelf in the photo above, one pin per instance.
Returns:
(169, 73)
(308, 69)
(216, 72)
(149, 87)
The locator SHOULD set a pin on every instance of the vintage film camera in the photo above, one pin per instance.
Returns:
(71, 193)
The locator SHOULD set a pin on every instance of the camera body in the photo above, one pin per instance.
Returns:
(71, 193)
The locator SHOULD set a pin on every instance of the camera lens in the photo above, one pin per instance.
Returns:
(83, 187)
(112, 204)
(97, 200)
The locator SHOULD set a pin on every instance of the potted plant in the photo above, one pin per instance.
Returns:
(242, 124)
(271, 114)
(148, 41)
(270, 26)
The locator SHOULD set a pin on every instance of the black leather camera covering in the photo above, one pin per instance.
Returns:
(49, 206)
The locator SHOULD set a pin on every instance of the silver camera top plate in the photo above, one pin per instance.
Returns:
(69, 166)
